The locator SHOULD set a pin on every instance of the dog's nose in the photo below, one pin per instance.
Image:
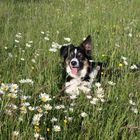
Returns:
(73, 63)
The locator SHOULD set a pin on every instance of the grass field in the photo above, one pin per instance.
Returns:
(28, 30)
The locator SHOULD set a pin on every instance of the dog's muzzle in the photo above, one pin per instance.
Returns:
(74, 65)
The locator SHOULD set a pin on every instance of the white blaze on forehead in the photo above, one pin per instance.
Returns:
(75, 51)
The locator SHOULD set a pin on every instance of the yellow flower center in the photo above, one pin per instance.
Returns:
(43, 99)
(65, 121)
(37, 129)
(48, 129)
(120, 65)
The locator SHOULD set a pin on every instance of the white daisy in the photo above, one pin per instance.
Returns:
(54, 119)
(36, 119)
(56, 128)
(67, 39)
(53, 50)
(131, 102)
(83, 114)
(94, 101)
(97, 84)
(47, 107)
(45, 97)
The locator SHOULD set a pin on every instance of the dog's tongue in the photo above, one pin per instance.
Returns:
(74, 70)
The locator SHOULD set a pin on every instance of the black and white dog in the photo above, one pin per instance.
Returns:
(79, 68)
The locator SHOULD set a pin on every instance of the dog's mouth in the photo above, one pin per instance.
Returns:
(74, 70)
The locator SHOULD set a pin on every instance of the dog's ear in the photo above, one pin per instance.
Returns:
(87, 45)
(64, 50)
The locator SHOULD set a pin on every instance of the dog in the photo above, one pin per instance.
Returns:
(79, 69)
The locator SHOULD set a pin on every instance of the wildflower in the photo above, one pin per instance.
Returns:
(31, 108)
(46, 38)
(1, 91)
(23, 98)
(17, 41)
(58, 107)
(53, 119)
(56, 45)
(36, 119)
(42, 32)
(71, 109)
(4, 87)
(100, 96)
(62, 106)
(120, 64)
(65, 121)
(30, 41)
(39, 109)
(18, 36)
(10, 55)
(99, 109)
(111, 83)
(37, 129)
(8, 112)
(48, 129)
(44, 97)
(131, 102)
(83, 114)
(13, 106)
(22, 59)
(42, 138)
(15, 133)
(23, 109)
(14, 88)
(102, 100)
(67, 39)
(14, 96)
(84, 38)
(117, 45)
(28, 81)
(47, 107)
(52, 49)
(97, 84)
(123, 58)
(94, 101)
(125, 62)
(133, 67)
(100, 91)
(20, 119)
(56, 128)
(135, 110)
(33, 60)
(25, 104)
(130, 34)
(57, 32)
(69, 118)
(72, 104)
(89, 96)
(36, 135)
(28, 45)
(73, 97)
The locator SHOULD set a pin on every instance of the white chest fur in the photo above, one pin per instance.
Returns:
(76, 85)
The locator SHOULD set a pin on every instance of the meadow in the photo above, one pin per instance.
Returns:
(32, 105)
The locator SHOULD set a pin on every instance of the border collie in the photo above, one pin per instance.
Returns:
(79, 69)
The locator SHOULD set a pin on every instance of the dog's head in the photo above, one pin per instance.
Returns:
(77, 58)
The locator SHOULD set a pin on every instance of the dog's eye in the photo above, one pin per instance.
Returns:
(80, 55)
(71, 54)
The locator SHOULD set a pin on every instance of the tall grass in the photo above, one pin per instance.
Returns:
(115, 30)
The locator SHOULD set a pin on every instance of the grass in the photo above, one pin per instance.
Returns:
(115, 29)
